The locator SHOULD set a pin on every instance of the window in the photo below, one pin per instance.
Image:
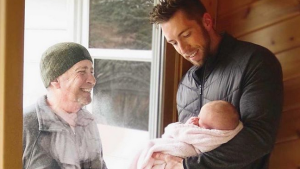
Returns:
(43, 28)
(127, 73)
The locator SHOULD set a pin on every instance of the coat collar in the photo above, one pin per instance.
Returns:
(49, 121)
(225, 47)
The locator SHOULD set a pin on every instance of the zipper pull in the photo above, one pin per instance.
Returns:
(200, 90)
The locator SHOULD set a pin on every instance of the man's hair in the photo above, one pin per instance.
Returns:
(165, 9)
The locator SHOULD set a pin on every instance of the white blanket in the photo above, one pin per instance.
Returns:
(182, 140)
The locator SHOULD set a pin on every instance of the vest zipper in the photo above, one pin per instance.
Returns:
(200, 96)
(201, 86)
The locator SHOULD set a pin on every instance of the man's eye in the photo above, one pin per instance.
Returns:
(173, 43)
(187, 34)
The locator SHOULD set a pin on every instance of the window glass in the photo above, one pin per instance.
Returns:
(120, 24)
(121, 94)
(120, 38)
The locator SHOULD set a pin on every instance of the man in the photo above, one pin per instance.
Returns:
(244, 74)
(57, 131)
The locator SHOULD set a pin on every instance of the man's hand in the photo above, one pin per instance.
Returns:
(171, 161)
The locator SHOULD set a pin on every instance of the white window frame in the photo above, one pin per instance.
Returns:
(155, 56)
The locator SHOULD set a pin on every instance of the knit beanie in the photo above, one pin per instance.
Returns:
(59, 58)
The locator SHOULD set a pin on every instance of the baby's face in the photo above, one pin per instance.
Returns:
(211, 120)
(204, 122)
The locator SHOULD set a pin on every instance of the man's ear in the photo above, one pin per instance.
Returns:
(207, 21)
(55, 83)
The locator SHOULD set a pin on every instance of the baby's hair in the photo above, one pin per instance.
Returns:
(224, 111)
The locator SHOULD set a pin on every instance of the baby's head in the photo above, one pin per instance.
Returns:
(219, 115)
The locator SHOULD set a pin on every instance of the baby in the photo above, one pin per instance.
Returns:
(212, 116)
(217, 123)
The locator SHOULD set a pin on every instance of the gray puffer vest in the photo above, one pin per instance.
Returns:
(250, 77)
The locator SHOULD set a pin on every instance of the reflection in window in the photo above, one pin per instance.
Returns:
(120, 32)
(121, 95)
(120, 24)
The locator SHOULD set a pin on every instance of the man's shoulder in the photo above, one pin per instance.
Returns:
(233, 45)
(244, 53)
(252, 48)
(29, 115)
(258, 54)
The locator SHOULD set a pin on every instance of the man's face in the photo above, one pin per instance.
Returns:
(76, 84)
(189, 37)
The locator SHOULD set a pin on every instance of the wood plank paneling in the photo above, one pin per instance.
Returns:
(290, 62)
(286, 156)
(279, 37)
(291, 85)
(257, 15)
(290, 122)
(273, 24)
(227, 7)
(289, 126)
(291, 94)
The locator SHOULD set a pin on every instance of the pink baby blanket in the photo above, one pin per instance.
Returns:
(182, 140)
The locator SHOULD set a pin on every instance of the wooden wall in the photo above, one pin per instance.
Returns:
(275, 25)
(11, 77)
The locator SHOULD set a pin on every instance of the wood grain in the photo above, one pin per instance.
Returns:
(279, 37)
(291, 94)
(290, 62)
(289, 126)
(227, 7)
(286, 156)
(257, 15)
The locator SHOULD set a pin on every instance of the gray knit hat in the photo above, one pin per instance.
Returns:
(59, 58)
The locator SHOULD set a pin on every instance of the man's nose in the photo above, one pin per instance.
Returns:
(91, 79)
(183, 47)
